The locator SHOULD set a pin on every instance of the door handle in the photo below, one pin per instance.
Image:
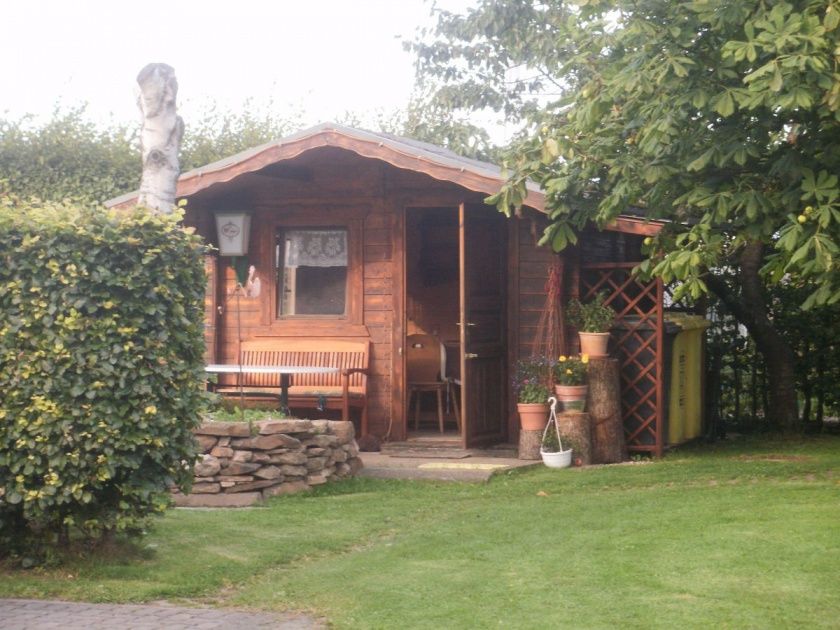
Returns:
(470, 355)
(468, 324)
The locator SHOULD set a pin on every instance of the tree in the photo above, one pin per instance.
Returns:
(217, 134)
(67, 157)
(430, 121)
(721, 118)
(71, 158)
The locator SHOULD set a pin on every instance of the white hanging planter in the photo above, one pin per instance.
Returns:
(561, 458)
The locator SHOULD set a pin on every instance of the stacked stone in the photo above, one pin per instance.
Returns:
(243, 463)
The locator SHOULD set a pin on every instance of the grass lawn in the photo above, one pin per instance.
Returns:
(742, 534)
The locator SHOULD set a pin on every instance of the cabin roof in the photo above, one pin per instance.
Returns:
(406, 153)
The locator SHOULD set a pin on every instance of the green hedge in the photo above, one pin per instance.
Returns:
(100, 367)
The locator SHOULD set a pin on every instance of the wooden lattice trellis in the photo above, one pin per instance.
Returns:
(638, 339)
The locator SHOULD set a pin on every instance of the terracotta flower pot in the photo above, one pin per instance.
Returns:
(571, 397)
(532, 416)
(594, 344)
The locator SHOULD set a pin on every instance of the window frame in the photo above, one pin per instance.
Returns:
(278, 270)
(319, 217)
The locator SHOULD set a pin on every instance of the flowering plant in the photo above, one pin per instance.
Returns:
(531, 379)
(571, 370)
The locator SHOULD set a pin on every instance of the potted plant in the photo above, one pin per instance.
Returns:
(530, 384)
(593, 321)
(570, 382)
(551, 447)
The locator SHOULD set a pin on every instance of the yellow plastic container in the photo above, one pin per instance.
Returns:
(685, 408)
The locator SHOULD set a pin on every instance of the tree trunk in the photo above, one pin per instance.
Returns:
(750, 309)
(820, 390)
(736, 384)
(604, 405)
(160, 137)
(575, 426)
(713, 413)
(529, 444)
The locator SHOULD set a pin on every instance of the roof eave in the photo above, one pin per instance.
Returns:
(365, 144)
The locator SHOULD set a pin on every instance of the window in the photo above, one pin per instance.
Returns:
(311, 272)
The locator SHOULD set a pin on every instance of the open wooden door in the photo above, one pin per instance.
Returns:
(482, 244)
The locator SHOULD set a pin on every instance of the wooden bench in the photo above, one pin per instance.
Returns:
(340, 390)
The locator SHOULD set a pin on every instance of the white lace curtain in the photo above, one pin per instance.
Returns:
(316, 248)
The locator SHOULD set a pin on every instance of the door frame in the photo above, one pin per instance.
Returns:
(503, 432)
(399, 403)
(399, 389)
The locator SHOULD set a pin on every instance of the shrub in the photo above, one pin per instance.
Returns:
(100, 368)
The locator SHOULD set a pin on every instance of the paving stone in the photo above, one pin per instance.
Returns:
(17, 614)
(267, 442)
(344, 431)
(242, 499)
(285, 426)
(222, 451)
(236, 429)
(205, 442)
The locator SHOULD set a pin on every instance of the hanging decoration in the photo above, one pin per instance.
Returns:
(550, 339)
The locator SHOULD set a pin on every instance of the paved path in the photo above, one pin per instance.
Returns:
(475, 469)
(29, 614)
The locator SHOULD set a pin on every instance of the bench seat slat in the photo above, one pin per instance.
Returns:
(306, 390)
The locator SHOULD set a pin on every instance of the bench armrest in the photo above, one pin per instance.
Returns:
(345, 389)
(348, 371)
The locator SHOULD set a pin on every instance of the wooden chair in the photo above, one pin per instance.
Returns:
(424, 368)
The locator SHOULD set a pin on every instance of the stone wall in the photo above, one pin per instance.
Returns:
(242, 464)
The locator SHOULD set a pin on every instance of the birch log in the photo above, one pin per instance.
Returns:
(160, 137)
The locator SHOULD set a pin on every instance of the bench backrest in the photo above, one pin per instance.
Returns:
(306, 352)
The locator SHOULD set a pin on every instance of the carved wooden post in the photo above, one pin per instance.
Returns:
(160, 137)
(604, 406)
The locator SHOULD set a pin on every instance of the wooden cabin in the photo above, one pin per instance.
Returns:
(424, 254)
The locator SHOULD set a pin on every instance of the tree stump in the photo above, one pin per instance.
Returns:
(529, 444)
(575, 426)
(604, 405)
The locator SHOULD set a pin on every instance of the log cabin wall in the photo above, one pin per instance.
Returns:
(327, 187)
(533, 263)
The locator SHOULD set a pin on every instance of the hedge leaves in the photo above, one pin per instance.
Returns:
(100, 367)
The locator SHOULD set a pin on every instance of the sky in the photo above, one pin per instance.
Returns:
(320, 58)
